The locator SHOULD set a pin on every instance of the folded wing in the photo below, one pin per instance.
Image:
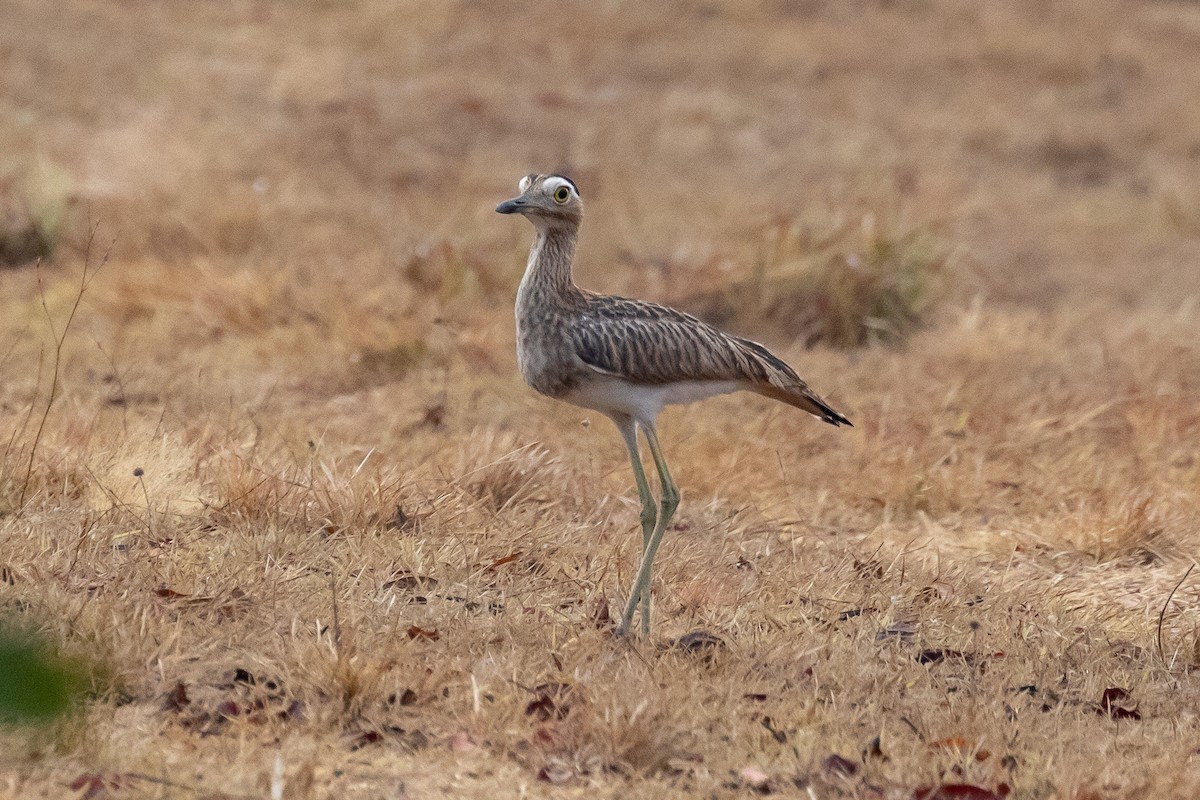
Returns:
(649, 344)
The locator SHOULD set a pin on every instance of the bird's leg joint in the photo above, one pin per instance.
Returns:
(649, 516)
(670, 500)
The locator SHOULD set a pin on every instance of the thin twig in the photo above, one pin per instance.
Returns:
(16, 339)
(337, 625)
(138, 473)
(124, 396)
(1163, 613)
(59, 341)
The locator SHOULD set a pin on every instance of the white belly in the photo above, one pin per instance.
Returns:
(612, 395)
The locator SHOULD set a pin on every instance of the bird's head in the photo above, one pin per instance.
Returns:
(547, 201)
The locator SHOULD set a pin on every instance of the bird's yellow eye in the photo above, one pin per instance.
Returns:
(562, 194)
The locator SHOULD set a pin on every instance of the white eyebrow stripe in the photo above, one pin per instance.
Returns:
(523, 186)
(552, 183)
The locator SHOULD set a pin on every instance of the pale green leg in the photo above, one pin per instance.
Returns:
(629, 432)
(670, 501)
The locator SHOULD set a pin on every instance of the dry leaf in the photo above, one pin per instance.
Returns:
(551, 700)
(416, 632)
(556, 773)
(176, 699)
(508, 559)
(1112, 704)
(839, 765)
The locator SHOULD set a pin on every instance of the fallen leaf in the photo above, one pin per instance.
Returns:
(365, 738)
(1113, 694)
(404, 580)
(406, 698)
(416, 632)
(854, 612)
(176, 699)
(875, 750)
(1109, 704)
(601, 617)
(777, 735)
(84, 779)
(550, 700)
(839, 765)
(951, 742)
(400, 521)
(546, 737)
(698, 642)
(508, 559)
(904, 631)
(97, 785)
(92, 781)
(242, 675)
(410, 740)
(229, 709)
(555, 773)
(293, 713)
(202, 721)
(934, 655)
(434, 417)
(938, 590)
(684, 765)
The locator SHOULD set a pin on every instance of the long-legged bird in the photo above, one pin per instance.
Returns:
(627, 358)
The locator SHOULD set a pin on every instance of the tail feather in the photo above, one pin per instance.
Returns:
(776, 379)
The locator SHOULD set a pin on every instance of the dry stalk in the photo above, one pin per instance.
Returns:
(85, 279)
(1163, 613)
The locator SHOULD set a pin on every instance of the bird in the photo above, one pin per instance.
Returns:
(627, 359)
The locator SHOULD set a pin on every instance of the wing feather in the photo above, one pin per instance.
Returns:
(650, 344)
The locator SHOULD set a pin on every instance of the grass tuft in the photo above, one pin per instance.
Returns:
(34, 210)
(857, 281)
(513, 475)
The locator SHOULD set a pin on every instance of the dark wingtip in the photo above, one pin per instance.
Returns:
(828, 414)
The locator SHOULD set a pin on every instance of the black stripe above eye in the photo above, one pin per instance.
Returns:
(568, 180)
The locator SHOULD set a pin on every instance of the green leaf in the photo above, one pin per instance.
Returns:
(35, 685)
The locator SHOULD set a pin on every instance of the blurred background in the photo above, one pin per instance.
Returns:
(1055, 145)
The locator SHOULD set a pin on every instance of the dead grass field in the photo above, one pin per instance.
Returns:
(360, 559)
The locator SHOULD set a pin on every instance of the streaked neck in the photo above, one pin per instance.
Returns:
(549, 267)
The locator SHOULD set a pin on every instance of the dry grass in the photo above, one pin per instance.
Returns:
(294, 498)
(848, 282)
